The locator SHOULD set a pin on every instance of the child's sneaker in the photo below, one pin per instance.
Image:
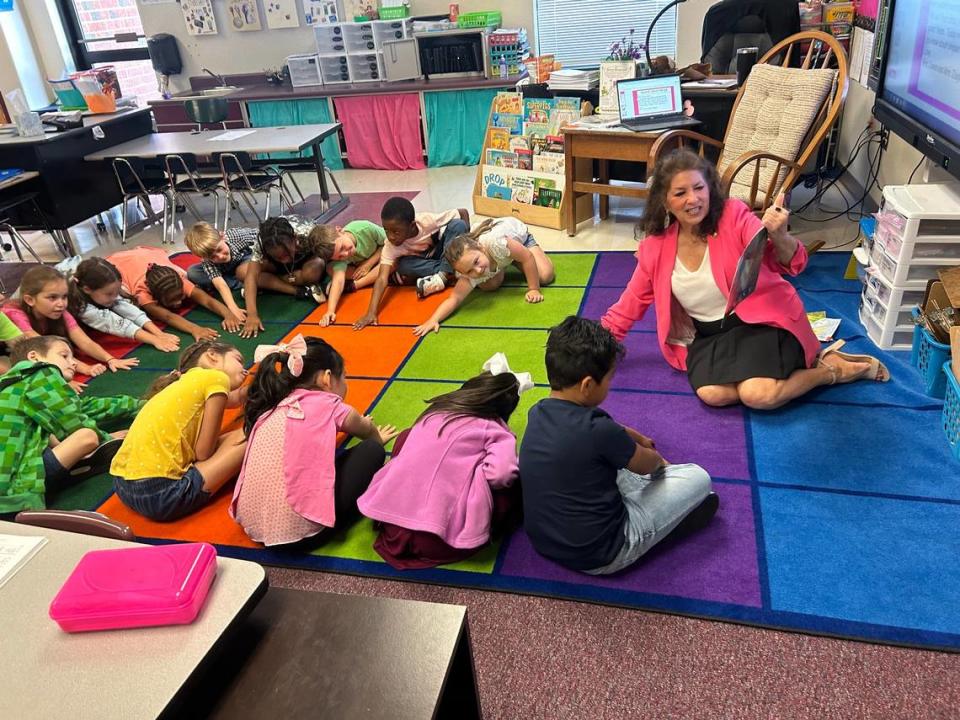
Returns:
(430, 285)
(314, 292)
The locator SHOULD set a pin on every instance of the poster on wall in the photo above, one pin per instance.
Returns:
(244, 15)
(359, 8)
(321, 12)
(198, 15)
(281, 14)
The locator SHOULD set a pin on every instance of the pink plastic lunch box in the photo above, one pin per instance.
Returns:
(136, 587)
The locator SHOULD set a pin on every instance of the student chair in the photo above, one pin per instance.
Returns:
(240, 178)
(780, 117)
(186, 179)
(138, 181)
(78, 521)
(17, 241)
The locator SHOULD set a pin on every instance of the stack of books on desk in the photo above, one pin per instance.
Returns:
(574, 79)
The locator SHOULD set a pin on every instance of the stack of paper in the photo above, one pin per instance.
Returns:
(574, 79)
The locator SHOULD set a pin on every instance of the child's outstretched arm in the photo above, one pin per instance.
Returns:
(363, 427)
(252, 325)
(524, 258)
(379, 287)
(79, 338)
(231, 323)
(159, 313)
(226, 295)
(334, 293)
(446, 308)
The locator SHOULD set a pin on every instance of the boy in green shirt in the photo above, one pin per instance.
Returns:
(8, 333)
(357, 244)
(48, 434)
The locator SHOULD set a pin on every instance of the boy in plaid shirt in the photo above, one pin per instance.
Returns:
(36, 404)
(223, 260)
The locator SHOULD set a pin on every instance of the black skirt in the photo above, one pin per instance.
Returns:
(738, 351)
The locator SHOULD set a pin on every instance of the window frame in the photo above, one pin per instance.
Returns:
(83, 58)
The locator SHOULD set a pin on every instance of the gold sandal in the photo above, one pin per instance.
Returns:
(878, 372)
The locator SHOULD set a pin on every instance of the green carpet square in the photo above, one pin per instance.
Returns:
(570, 269)
(133, 382)
(277, 308)
(86, 495)
(151, 358)
(458, 354)
(357, 544)
(507, 308)
(403, 402)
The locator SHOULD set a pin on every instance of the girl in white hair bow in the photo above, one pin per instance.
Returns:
(293, 487)
(455, 482)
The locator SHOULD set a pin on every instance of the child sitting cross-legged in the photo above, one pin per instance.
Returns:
(96, 298)
(174, 457)
(596, 494)
(294, 489)
(480, 258)
(224, 260)
(356, 245)
(49, 435)
(455, 480)
(160, 288)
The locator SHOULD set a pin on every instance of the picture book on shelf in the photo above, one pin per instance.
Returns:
(559, 119)
(508, 102)
(536, 129)
(537, 110)
(524, 159)
(522, 187)
(519, 142)
(498, 138)
(549, 197)
(565, 104)
(549, 162)
(538, 144)
(511, 121)
(541, 183)
(502, 158)
(495, 183)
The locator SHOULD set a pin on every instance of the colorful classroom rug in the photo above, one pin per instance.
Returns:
(839, 513)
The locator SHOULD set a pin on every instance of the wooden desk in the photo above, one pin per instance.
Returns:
(603, 144)
(293, 138)
(320, 655)
(123, 674)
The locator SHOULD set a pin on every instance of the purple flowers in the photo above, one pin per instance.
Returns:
(626, 49)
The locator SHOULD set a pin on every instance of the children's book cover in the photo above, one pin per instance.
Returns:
(537, 110)
(549, 162)
(495, 184)
(522, 187)
(498, 138)
(554, 144)
(571, 104)
(508, 102)
(519, 142)
(525, 159)
(559, 119)
(539, 184)
(511, 121)
(536, 129)
(549, 197)
(502, 158)
(538, 144)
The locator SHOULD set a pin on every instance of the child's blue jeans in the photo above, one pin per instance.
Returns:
(418, 266)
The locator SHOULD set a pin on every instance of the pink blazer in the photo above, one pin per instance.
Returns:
(775, 301)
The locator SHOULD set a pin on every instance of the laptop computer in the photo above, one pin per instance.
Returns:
(652, 103)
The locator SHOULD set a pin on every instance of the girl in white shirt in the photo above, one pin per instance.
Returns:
(480, 258)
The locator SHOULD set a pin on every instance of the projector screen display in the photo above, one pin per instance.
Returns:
(922, 71)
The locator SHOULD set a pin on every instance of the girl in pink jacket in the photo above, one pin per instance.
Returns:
(293, 488)
(765, 353)
(455, 478)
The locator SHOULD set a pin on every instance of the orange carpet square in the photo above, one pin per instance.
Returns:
(373, 352)
(399, 306)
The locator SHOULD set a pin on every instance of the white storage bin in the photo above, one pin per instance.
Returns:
(915, 211)
(329, 39)
(893, 295)
(334, 70)
(365, 68)
(359, 38)
(902, 314)
(903, 273)
(390, 30)
(888, 337)
(304, 70)
(943, 247)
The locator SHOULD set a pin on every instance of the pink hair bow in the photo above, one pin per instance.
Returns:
(295, 350)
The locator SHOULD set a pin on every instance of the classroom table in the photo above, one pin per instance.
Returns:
(123, 674)
(320, 655)
(292, 138)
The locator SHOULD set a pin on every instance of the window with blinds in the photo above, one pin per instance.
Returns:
(579, 33)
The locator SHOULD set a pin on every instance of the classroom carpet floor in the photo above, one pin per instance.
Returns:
(838, 512)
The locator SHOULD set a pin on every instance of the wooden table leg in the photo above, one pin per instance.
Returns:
(605, 179)
(569, 195)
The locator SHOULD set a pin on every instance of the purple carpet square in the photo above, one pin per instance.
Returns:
(717, 564)
(614, 269)
(600, 299)
(645, 368)
(686, 430)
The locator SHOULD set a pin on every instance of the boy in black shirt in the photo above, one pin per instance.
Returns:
(598, 495)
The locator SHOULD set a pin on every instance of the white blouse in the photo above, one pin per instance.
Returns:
(697, 291)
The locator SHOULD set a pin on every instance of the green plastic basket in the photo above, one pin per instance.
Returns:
(484, 18)
(394, 13)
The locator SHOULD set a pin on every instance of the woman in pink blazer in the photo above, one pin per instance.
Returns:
(765, 354)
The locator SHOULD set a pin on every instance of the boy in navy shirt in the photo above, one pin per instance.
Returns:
(596, 494)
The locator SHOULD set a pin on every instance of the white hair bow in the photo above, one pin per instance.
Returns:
(497, 364)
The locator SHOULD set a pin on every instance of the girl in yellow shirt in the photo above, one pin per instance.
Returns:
(174, 458)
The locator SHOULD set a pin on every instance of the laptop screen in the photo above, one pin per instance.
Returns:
(649, 97)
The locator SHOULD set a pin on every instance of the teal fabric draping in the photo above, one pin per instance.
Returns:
(456, 125)
(307, 111)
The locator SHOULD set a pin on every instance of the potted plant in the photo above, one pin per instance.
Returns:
(620, 64)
